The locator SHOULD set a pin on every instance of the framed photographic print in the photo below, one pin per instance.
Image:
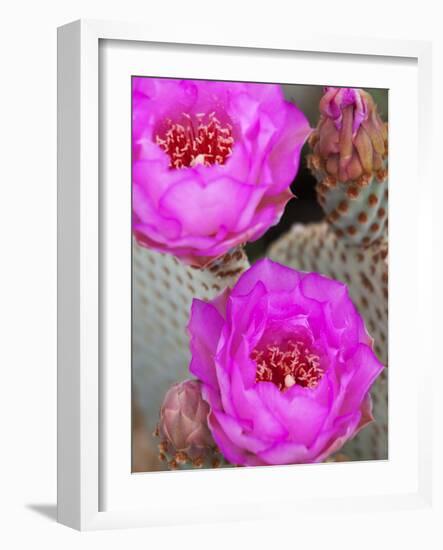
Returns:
(233, 304)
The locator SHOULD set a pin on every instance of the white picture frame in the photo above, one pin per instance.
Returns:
(95, 492)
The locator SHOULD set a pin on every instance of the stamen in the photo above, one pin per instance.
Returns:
(196, 140)
(287, 364)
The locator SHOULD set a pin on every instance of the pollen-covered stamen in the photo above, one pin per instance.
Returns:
(198, 139)
(286, 364)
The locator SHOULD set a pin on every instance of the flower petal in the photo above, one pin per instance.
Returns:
(274, 277)
(205, 326)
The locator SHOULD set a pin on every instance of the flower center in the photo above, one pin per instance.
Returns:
(201, 139)
(287, 364)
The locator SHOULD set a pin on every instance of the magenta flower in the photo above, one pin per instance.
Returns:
(285, 364)
(212, 163)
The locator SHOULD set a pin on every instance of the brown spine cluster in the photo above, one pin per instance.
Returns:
(209, 457)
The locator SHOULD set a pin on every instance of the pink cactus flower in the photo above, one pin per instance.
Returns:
(212, 163)
(286, 366)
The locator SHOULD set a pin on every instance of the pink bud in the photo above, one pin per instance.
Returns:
(350, 141)
(183, 418)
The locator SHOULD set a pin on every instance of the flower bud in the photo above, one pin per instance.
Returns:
(183, 429)
(350, 142)
(183, 417)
